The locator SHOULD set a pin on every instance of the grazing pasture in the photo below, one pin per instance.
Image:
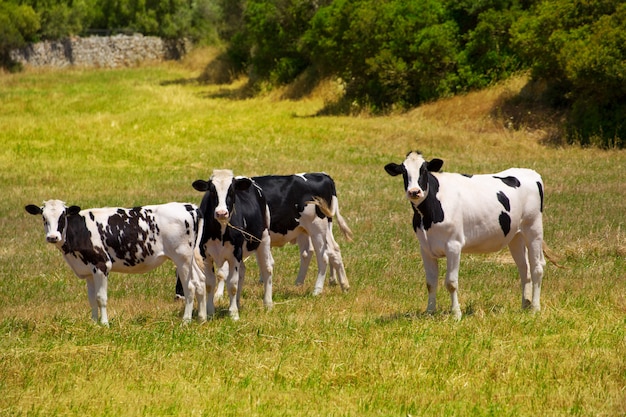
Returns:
(132, 137)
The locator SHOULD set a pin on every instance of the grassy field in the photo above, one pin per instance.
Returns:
(140, 136)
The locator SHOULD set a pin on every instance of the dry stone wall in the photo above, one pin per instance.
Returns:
(101, 51)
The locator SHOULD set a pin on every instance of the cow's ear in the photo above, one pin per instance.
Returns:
(33, 209)
(394, 169)
(242, 184)
(73, 210)
(434, 165)
(200, 185)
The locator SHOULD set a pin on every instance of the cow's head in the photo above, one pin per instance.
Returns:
(221, 189)
(54, 213)
(415, 171)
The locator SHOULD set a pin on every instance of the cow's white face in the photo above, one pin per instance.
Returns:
(416, 177)
(54, 214)
(222, 180)
(415, 170)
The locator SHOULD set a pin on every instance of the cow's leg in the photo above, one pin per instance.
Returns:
(180, 293)
(317, 232)
(453, 262)
(333, 274)
(241, 276)
(221, 275)
(518, 252)
(431, 267)
(100, 280)
(209, 273)
(191, 280)
(232, 285)
(91, 293)
(266, 268)
(336, 262)
(537, 263)
(306, 254)
(188, 291)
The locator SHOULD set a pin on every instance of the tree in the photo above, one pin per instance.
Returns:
(19, 25)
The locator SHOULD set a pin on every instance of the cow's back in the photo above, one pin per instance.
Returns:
(288, 195)
(137, 239)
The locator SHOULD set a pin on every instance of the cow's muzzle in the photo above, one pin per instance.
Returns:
(414, 193)
(53, 238)
(222, 216)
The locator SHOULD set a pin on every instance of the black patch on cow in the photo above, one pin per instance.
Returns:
(288, 195)
(504, 200)
(468, 175)
(429, 211)
(510, 181)
(505, 223)
(540, 186)
(124, 235)
(78, 242)
(91, 216)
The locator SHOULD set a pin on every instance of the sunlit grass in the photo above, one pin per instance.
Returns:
(139, 136)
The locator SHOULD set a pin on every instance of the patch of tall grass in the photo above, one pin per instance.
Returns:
(139, 136)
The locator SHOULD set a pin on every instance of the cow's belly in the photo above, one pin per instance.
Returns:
(485, 246)
(142, 267)
(278, 239)
(438, 245)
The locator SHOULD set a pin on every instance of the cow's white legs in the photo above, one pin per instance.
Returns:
(519, 254)
(537, 262)
(91, 293)
(432, 278)
(266, 268)
(233, 287)
(188, 290)
(336, 262)
(306, 254)
(318, 239)
(453, 260)
(191, 279)
(100, 287)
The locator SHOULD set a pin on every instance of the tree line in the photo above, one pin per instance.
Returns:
(388, 53)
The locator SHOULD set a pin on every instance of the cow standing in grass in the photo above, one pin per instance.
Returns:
(302, 209)
(98, 241)
(454, 213)
(236, 224)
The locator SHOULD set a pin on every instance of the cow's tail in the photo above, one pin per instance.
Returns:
(550, 256)
(333, 211)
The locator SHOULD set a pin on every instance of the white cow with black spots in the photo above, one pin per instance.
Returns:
(97, 241)
(454, 213)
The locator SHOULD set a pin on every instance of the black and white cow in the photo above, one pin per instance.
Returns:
(97, 241)
(454, 213)
(236, 224)
(302, 208)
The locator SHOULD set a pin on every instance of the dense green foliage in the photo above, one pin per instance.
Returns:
(388, 53)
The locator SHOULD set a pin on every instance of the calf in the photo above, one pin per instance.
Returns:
(454, 213)
(236, 224)
(302, 208)
(98, 241)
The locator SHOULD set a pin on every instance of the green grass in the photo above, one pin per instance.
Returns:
(136, 136)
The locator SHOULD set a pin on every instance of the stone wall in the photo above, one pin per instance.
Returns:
(100, 51)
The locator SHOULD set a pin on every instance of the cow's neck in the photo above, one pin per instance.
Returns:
(429, 211)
